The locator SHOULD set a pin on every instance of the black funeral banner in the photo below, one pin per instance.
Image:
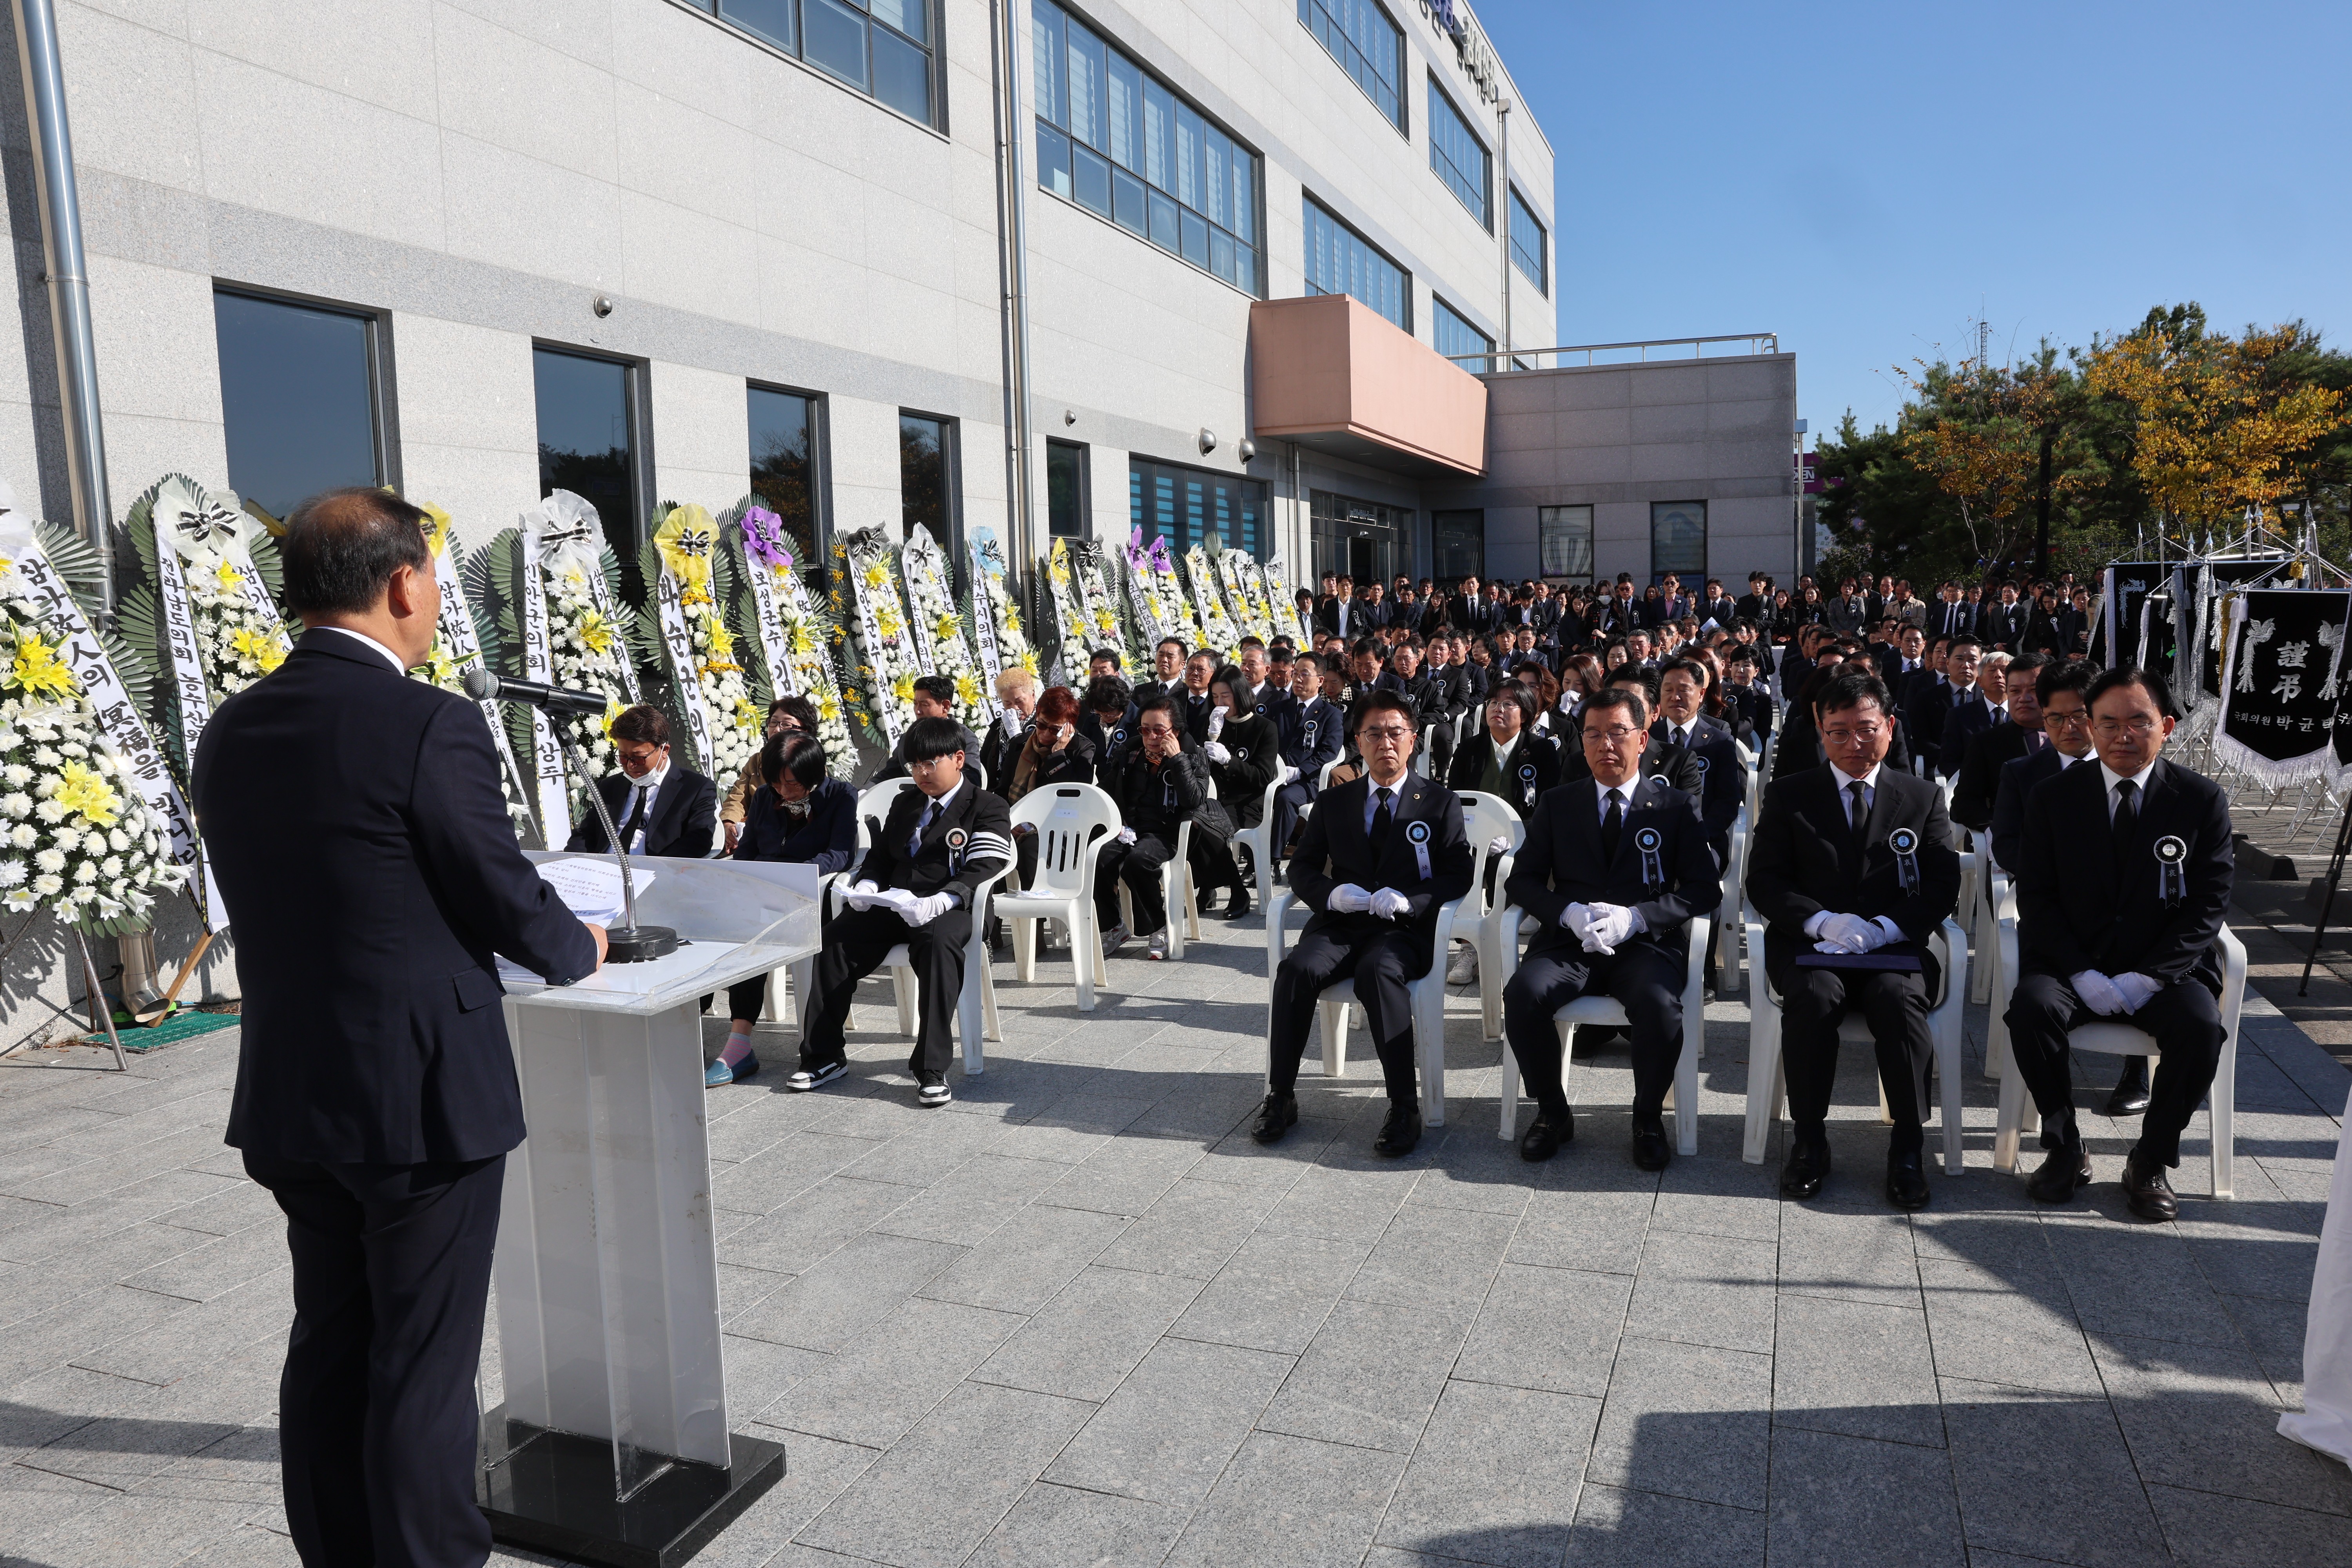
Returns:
(2284, 679)
(2211, 580)
(2129, 582)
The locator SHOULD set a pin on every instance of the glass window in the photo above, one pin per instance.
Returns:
(1087, 122)
(1361, 539)
(1678, 540)
(1195, 505)
(1565, 535)
(927, 484)
(1458, 544)
(880, 46)
(1456, 154)
(298, 393)
(771, 19)
(1065, 489)
(1455, 335)
(588, 438)
(1341, 261)
(1369, 47)
(785, 473)
(1527, 244)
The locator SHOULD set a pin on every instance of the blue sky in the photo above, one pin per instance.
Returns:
(1869, 180)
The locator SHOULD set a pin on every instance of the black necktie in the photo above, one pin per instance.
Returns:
(1383, 817)
(2126, 818)
(640, 807)
(1613, 827)
(1859, 811)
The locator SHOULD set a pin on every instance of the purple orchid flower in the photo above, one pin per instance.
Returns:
(764, 540)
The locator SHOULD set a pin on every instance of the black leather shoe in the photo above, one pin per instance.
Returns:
(2130, 1095)
(1907, 1180)
(2148, 1189)
(1278, 1116)
(1237, 905)
(1651, 1150)
(2065, 1172)
(1400, 1132)
(1542, 1140)
(1808, 1167)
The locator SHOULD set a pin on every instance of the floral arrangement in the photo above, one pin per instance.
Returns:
(706, 667)
(1284, 600)
(887, 663)
(211, 571)
(1069, 611)
(1160, 594)
(1244, 594)
(1217, 629)
(794, 638)
(995, 619)
(938, 631)
(457, 647)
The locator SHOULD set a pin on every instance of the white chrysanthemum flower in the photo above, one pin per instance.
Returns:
(111, 866)
(46, 756)
(74, 749)
(16, 775)
(86, 872)
(107, 763)
(117, 841)
(67, 839)
(12, 873)
(51, 812)
(48, 886)
(16, 806)
(24, 835)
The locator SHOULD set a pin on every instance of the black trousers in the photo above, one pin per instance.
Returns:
(1382, 960)
(855, 942)
(745, 997)
(1814, 1002)
(1288, 802)
(1645, 979)
(1139, 865)
(2185, 1021)
(377, 1426)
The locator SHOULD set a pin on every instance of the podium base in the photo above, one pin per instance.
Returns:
(555, 1494)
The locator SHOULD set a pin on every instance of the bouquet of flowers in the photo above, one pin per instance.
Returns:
(684, 569)
(995, 619)
(1069, 611)
(1160, 594)
(1284, 603)
(1237, 576)
(939, 630)
(1217, 629)
(794, 638)
(887, 665)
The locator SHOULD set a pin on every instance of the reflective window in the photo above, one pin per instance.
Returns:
(882, 48)
(785, 472)
(1341, 261)
(1065, 489)
(1455, 335)
(1196, 506)
(1527, 244)
(927, 484)
(298, 393)
(1566, 533)
(1369, 47)
(1457, 544)
(588, 438)
(1678, 539)
(1456, 154)
(1113, 139)
(1365, 539)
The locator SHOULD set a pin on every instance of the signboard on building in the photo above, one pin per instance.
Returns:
(1471, 51)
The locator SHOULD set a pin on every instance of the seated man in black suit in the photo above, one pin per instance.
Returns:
(1162, 783)
(1382, 854)
(1308, 729)
(1829, 869)
(1978, 710)
(1613, 868)
(1678, 769)
(1991, 750)
(1930, 704)
(1682, 726)
(943, 840)
(661, 807)
(1511, 759)
(2123, 882)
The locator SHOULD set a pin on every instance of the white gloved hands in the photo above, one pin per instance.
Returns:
(1348, 899)
(1217, 750)
(1849, 933)
(1391, 905)
(1611, 925)
(2137, 990)
(1577, 919)
(1217, 725)
(2099, 994)
(928, 908)
(861, 893)
(1499, 845)
(1127, 835)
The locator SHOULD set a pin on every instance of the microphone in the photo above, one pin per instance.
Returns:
(482, 684)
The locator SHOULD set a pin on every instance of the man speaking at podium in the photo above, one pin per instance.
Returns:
(359, 838)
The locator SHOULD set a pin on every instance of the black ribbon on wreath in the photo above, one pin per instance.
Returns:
(2284, 684)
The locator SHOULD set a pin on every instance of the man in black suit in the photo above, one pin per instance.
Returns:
(1341, 614)
(2060, 696)
(1308, 730)
(1953, 615)
(661, 807)
(2123, 882)
(1992, 749)
(1613, 870)
(2003, 623)
(359, 837)
(1678, 768)
(1984, 708)
(1680, 726)
(943, 840)
(1167, 669)
(1107, 718)
(1829, 872)
(1382, 854)
(1717, 605)
(1755, 603)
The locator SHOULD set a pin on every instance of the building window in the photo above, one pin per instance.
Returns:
(1197, 506)
(1065, 489)
(881, 48)
(1116, 139)
(785, 473)
(1678, 540)
(1528, 242)
(927, 485)
(1456, 154)
(1341, 261)
(298, 395)
(588, 439)
(1458, 544)
(1456, 336)
(1369, 47)
(1360, 539)
(1565, 538)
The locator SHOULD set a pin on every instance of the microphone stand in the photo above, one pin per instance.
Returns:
(628, 942)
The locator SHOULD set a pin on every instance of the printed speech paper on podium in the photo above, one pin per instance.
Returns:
(590, 889)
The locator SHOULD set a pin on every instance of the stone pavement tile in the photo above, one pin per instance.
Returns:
(218, 1266)
(2274, 1331)
(1857, 1368)
(33, 1503)
(1843, 1500)
(815, 1472)
(935, 1496)
(876, 1119)
(247, 1546)
(761, 1371)
(1062, 1527)
(875, 1389)
(42, 1409)
(2203, 1418)
(1496, 1476)
(814, 1224)
(1371, 1376)
(130, 1529)
(1619, 1529)
(259, 1310)
(1168, 1432)
(242, 1467)
(2137, 1279)
(2001, 1228)
(1475, 1170)
(1273, 1294)
(1434, 1257)
(927, 1153)
(43, 1231)
(1011, 1090)
(740, 1289)
(1193, 1228)
(974, 1201)
(1345, 1205)
(1200, 1113)
(101, 1260)
(136, 1436)
(1686, 1421)
(21, 1168)
(2308, 1142)
(1583, 1229)
(1552, 1329)
(229, 1207)
(2090, 1508)
(1125, 1176)
(1083, 1342)
(1720, 1197)
(772, 1178)
(841, 1298)
(79, 1326)
(1855, 1254)
(1025, 1264)
(187, 1146)
(1241, 1159)
(1328, 1500)
(1987, 1326)
(2243, 1261)
(1705, 1290)
(2204, 1530)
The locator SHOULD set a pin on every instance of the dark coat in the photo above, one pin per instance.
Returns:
(359, 835)
(1333, 849)
(964, 845)
(1158, 800)
(1257, 761)
(1535, 766)
(1309, 735)
(1963, 723)
(1974, 785)
(2003, 625)
(1723, 782)
(1560, 864)
(826, 837)
(896, 767)
(686, 815)
(2019, 779)
(1680, 770)
(1802, 859)
(1074, 763)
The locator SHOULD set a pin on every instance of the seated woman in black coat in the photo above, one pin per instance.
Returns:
(1245, 753)
(801, 818)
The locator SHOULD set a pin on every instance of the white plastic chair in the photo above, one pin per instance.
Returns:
(1984, 916)
(1727, 922)
(1486, 817)
(1260, 839)
(1607, 1011)
(1177, 897)
(1768, 1083)
(1073, 823)
(2017, 1109)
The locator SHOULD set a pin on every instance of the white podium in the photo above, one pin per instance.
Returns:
(612, 1445)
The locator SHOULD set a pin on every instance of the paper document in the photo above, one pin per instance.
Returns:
(590, 889)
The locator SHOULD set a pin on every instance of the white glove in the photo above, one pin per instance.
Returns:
(1612, 924)
(1849, 933)
(1389, 905)
(1216, 749)
(1127, 835)
(2137, 990)
(1499, 845)
(2099, 994)
(1577, 918)
(1348, 899)
(929, 908)
(1217, 725)
(861, 893)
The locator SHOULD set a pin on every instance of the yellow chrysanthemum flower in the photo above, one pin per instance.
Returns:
(903, 690)
(596, 630)
(38, 671)
(84, 793)
(948, 628)
(874, 575)
(1012, 623)
(967, 688)
(722, 641)
(1029, 661)
(828, 705)
(887, 623)
(613, 709)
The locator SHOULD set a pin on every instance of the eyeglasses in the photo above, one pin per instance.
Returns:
(2139, 727)
(1612, 737)
(2069, 718)
(1386, 734)
(1865, 734)
(1157, 731)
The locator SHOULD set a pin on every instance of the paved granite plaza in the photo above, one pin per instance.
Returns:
(1079, 1318)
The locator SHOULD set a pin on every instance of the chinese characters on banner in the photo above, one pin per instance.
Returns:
(2284, 684)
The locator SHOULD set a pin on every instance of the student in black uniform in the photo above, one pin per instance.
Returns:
(1309, 729)
(1244, 757)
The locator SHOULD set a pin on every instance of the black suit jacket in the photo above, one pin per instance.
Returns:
(1335, 849)
(360, 836)
(1963, 725)
(1535, 767)
(1800, 746)
(1723, 782)
(1560, 864)
(686, 815)
(999, 753)
(1951, 620)
(1803, 858)
(964, 845)
(2019, 778)
(1927, 703)
(2077, 909)
(1979, 780)
(1308, 735)
(2004, 624)
(1256, 756)
(1679, 769)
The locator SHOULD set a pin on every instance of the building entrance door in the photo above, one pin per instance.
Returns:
(1365, 539)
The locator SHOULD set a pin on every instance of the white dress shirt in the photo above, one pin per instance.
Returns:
(2114, 778)
(646, 789)
(389, 657)
(1621, 794)
(1372, 798)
